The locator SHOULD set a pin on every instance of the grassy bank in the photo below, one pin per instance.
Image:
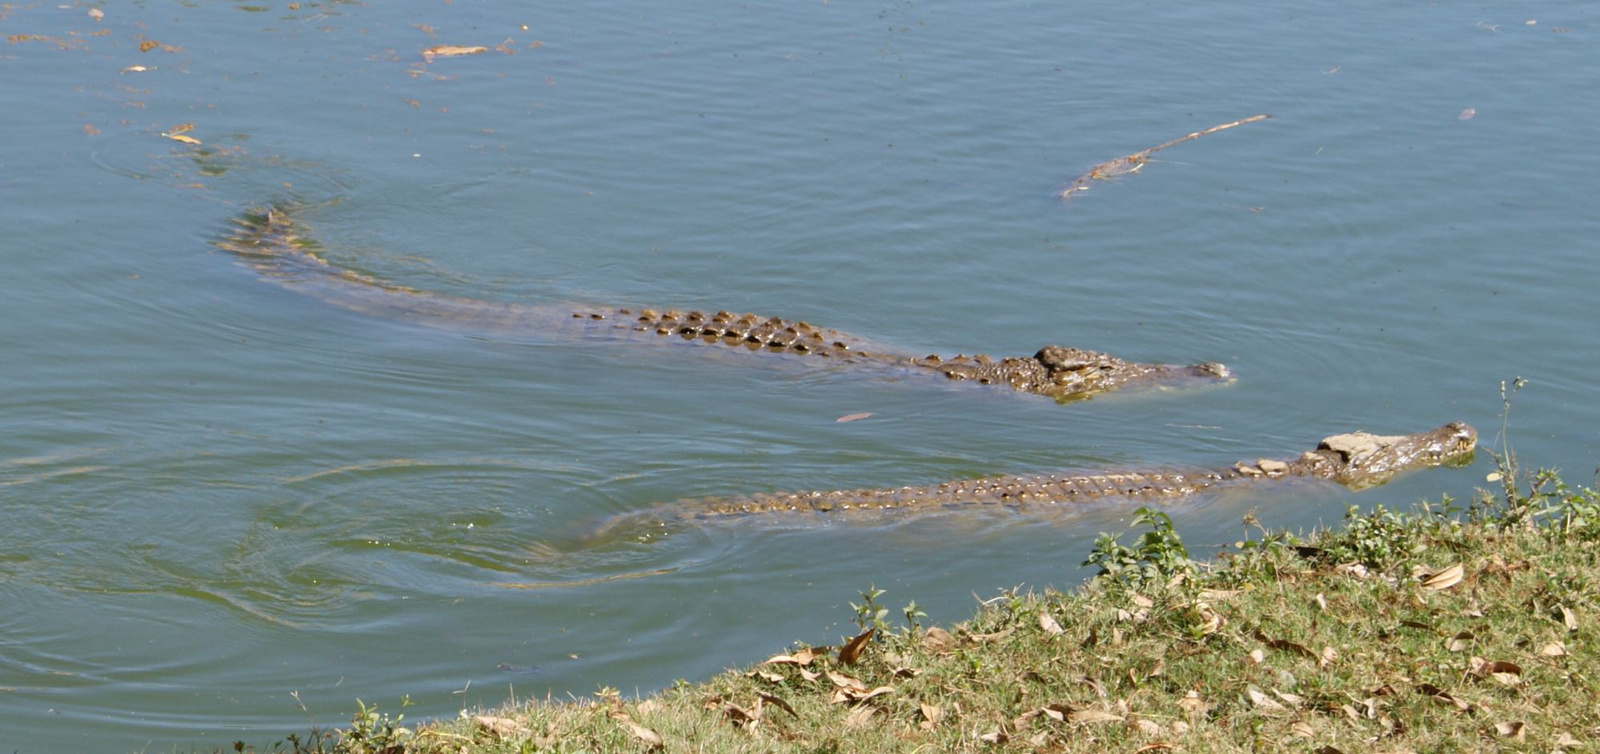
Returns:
(1443, 629)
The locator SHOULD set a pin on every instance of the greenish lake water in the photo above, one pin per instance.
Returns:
(227, 510)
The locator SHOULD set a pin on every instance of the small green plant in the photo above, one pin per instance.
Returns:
(869, 614)
(372, 732)
(913, 613)
(1156, 557)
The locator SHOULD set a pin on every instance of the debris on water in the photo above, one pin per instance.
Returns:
(1467, 114)
(518, 669)
(852, 417)
(450, 51)
(1131, 163)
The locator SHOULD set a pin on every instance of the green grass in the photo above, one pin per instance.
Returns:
(1442, 629)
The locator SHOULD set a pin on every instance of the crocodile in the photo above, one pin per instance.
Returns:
(275, 244)
(1357, 460)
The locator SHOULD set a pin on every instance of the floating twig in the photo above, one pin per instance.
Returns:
(1131, 163)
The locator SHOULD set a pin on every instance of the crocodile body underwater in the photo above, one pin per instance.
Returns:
(275, 244)
(1357, 460)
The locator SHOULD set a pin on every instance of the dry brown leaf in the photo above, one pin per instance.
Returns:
(809, 675)
(851, 651)
(852, 417)
(1444, 579)
(1509, 730)
(1322, 602)
(1256, 657)
(1508, 673)
(993, 737)
(1569, 618)
(1294, 700)
(450, 51)
(649, 705)
(801, 658)
(1142, 601)
(649, 737)
(991, 638)
(1284, 645)
(846, 682)
(777, 701)
(1302, 729)
(1038, 739)
(1460, 642)
(938, 641)
(503, 727)
(860, 716)
(740, 716)
(931, 713)
(148, 45)
(182, 138)
(1329, 657)
(1193, 705)
(1440, 695)
(765, 676)
(1049, 624)
(1090, 716)
(1553, 649)
(1158, 745)
(1261, 700)
(1149, 727)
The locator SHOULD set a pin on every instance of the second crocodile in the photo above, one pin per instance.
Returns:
(1357, 460)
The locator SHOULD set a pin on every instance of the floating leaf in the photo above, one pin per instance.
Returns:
(1467, 114)
(148, 45)
(450, 51)
(852, 417)
(182, 138)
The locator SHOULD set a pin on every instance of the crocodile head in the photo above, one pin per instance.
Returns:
(1360, 460)
(1076, 372)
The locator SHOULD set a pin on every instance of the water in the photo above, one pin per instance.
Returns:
(220, 502)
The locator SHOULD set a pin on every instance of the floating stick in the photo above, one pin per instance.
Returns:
(1131, 163)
